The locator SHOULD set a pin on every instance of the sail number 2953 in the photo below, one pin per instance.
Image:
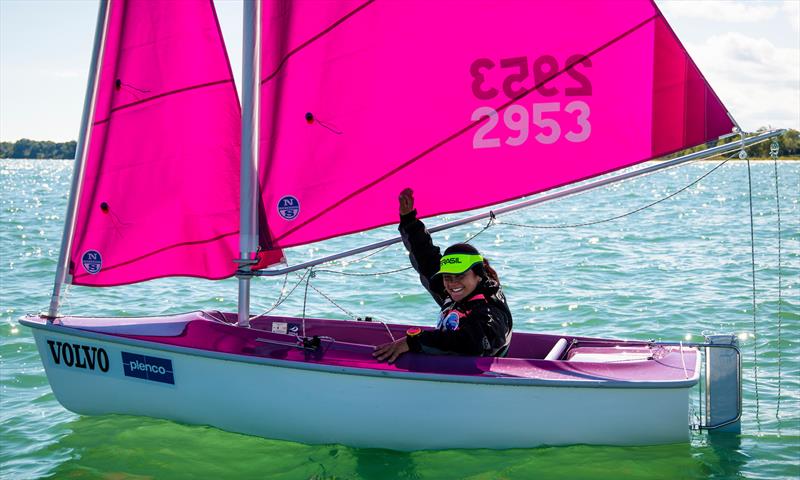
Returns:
(518, 120)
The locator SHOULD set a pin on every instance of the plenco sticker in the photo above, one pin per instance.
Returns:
(289, 207)
(92, 261)
(148, 368)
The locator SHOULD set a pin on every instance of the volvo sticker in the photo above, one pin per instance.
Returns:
(76, 355)
(149, 368)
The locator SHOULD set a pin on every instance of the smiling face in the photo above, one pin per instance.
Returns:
(461, 286)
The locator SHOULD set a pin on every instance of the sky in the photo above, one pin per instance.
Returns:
(748, 50)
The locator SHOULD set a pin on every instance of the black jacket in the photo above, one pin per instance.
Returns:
(484, 321)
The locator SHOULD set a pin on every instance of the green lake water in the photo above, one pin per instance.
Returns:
(667, 272)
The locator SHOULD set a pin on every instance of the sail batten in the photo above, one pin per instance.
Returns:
(468, 105)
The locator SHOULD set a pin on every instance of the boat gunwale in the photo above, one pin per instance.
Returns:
(486, 379)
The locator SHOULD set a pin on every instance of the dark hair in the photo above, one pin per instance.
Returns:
(483, 270)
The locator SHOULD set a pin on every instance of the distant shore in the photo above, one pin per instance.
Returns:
(27, 149)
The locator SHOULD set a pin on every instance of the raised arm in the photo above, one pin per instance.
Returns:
(424, 255)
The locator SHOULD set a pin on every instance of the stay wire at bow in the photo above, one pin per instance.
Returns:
(66, 300)
(774, 149)
(743, 155)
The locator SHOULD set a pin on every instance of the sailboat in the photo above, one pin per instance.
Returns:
(344, 104)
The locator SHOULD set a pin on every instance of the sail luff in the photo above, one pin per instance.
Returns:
(84, 137)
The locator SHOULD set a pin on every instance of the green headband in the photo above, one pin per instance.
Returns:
(457, 263)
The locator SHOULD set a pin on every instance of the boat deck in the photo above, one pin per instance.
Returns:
(349, 345)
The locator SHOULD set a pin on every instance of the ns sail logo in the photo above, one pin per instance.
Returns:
(75, 355)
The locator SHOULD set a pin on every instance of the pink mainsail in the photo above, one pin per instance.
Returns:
(470, 103)
(161, 186)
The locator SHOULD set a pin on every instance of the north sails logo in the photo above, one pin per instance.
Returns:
(148, 368)
(92, 261)
(289, 207)
(75, 355)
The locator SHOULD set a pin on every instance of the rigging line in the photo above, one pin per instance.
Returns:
(617, 217)
(280, 298)
(753, 273)
(374, 252)
(287, 295)
(467, 128)
(348, 274)
(491, 222)
(314, 39)
(66, 300)
(774, 155)
(346, 312)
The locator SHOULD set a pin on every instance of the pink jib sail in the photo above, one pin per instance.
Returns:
(470, 103)
(161, 187)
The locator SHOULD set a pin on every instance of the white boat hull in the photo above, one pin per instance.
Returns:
(241, 394)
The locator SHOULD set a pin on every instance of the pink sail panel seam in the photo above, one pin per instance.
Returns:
(466, 129)
(162, 95)
(160, 250)
(313, 39)
(100, 284)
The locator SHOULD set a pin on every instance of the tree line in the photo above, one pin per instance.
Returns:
(25, 148)
(789, 146)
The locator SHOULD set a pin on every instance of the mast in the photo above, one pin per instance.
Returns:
(709, 152)
(62, 269)
(248, 231)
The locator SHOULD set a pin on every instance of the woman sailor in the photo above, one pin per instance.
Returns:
(475, 319)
